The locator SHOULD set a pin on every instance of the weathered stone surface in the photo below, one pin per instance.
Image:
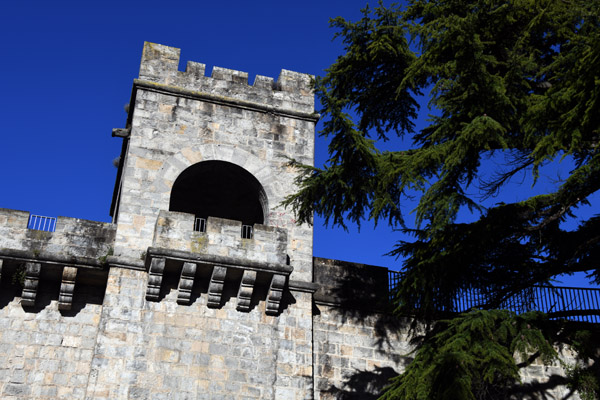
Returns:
(215, 288)
(186, 283)
(275, 294)
(155, 277)
(350, 284)
(74, 242)
(67, 287)
(174, 230)
(246, 290)
(30, 284)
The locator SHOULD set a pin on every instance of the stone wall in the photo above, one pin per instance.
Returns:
(129, 348)
(46, 353)
(92, 331)
(163, 350)
(114, 343)
(359, 346)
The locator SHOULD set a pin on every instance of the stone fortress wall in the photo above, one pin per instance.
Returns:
(147, 307)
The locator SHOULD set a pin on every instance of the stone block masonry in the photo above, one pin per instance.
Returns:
(164, 349)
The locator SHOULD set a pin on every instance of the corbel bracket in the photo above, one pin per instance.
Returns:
(155, 277)
(246, 290)
(215, 288)
(275, 294)
(186, 283)
(30, 286)
(67, 288)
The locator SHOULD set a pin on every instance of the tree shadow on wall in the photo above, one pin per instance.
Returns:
(89, 288)
(359, 293)
(362, 385)
(370, 385)
(537, 390)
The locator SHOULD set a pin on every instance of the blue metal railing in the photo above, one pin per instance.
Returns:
(41, 223)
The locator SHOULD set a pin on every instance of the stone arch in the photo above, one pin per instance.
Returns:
(221, 189)
(189, 156)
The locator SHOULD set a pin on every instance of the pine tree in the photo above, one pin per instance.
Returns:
(517, 81)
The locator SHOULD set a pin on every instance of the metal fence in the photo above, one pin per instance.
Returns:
(576, 304)
(200, 224)
(247, 232)
(393, 281)
(41, 223)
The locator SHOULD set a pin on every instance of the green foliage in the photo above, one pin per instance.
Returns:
(584, 381)
(583, 376)
(517, 82)
(472, 357)
(104, 259)
(18, 277)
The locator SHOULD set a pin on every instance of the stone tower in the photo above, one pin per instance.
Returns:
(213, 147)
(203, 170)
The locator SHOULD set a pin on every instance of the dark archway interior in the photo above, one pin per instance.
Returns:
(219, 189)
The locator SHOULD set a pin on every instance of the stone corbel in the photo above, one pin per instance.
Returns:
(155, 277)
(215, 288)
(186, 283)
(120, 132)
(67, 287)
(31, 283)
(275, 294)
(246, 289)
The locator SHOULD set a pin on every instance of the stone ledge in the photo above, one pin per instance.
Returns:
(52, 258)
(126, 262)
(213, 259)
(301, 286)
(174, 231)
(222, 100)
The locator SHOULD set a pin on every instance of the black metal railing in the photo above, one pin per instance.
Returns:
(393, 281)
(200, 224)
(247, 232)
(576, 304)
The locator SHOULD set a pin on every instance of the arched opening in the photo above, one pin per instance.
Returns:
(219, 189)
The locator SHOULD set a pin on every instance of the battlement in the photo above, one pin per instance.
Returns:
(292, 91)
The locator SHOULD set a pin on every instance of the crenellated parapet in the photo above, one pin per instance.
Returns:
(159, 70)
(222, 256)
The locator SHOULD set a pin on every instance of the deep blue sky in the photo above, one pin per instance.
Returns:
(67, 69)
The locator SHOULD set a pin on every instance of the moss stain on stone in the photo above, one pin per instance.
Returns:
(199, 244)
